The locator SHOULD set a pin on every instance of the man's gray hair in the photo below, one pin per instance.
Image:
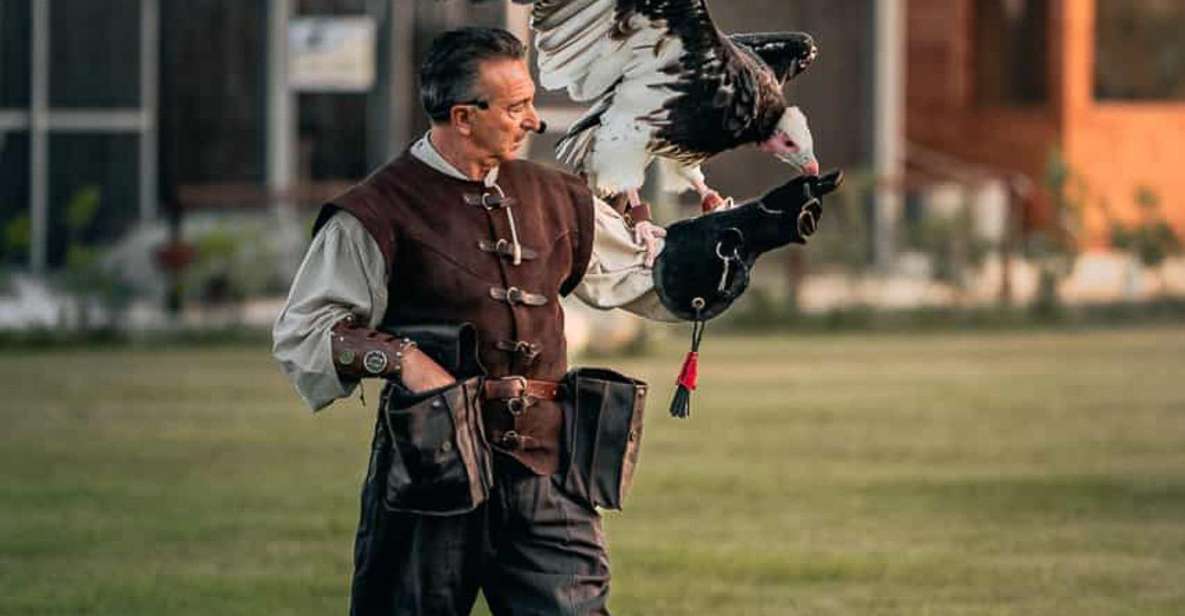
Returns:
(448, 75)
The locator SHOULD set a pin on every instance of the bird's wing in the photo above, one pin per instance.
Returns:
(787, 53)
(662, 63)
(588, 46)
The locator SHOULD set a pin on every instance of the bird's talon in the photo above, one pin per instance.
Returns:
(711, 202)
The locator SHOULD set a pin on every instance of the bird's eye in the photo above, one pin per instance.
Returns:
(790, 144)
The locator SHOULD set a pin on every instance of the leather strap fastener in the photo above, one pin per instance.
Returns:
(510, 387)
(489, 200)
(504, 248)
(520, 393)
(529, 350)
(515, 295)
(513, 441)
(638, 213)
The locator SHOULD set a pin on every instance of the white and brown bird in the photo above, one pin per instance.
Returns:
(664, 81)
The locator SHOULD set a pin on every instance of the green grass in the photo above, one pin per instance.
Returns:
(996, 473)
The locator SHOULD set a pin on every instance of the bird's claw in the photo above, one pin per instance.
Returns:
(712, 201)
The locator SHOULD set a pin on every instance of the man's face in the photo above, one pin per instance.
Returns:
(500, 131)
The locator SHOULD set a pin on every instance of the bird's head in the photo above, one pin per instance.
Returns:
(792, 143)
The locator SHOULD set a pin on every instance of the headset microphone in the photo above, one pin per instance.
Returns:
(542, 127)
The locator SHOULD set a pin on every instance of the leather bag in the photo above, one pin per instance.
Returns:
(603, 432)
(440, 462)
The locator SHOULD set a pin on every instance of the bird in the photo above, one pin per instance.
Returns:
(664, 82)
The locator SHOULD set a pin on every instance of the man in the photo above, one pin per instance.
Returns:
(457, 230)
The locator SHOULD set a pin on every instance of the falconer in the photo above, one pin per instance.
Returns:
(442, 274)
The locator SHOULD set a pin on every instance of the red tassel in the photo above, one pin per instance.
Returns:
(681, 403)
(690, 372)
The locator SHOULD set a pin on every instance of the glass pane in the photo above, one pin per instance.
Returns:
(213, 90)
(331, 7)
(14, 199)
(14, 53)
(94, 53)
(93, 190)
(1011, 51)
(1140, 50)
(332, 136)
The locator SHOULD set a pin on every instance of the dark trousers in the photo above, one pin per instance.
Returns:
(531, 549)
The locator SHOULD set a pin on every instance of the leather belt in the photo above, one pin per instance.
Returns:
(511, 387)
(520, 393)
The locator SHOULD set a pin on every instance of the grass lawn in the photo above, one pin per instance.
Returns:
(999, 473)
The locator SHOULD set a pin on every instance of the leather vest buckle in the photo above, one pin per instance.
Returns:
(529, 350)
(515, 295)
(518, 406)
(488, 200)
(510, 440)
(503, 248)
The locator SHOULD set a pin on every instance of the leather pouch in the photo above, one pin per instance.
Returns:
(440, 462)
(603, 413)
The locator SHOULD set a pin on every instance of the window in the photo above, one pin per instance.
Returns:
(93, 190)
(94, 53)
(14, 53)
(1011, 51)
(212, 91)
(1140, 50)
(15, 223)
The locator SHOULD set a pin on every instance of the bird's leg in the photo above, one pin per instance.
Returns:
(645, 232)
(633, 198)
(709, 199)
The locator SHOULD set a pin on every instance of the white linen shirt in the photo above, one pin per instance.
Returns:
(344, 273)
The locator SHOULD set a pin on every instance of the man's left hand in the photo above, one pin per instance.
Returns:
(802, 197)
(648, 234)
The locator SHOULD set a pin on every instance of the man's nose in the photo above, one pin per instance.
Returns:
(535, 123)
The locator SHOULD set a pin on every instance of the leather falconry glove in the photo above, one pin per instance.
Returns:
(705, 265)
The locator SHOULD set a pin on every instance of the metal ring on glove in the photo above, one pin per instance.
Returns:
(800, 223)
(740, 240)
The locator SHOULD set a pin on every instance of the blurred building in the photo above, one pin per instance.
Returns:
(115, 112)
(1095, 88)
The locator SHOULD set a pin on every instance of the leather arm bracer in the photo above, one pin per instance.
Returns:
(360, 352)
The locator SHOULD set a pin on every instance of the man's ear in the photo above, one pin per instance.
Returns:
(461, 117)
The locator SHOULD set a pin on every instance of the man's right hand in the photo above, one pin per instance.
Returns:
(421, 373)
(360, 352)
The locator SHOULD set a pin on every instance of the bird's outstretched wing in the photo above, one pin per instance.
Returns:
(787, 53)
(659, 67)
(587, 46)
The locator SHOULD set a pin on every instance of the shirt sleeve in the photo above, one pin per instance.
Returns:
(343, 273)
(617, 275)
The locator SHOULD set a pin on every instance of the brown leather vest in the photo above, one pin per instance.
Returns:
(446, 243)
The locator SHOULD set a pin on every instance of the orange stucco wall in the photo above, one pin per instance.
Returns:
(1117, 148)
(1114, 148)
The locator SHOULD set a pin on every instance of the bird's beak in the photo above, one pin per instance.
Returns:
(804, 162)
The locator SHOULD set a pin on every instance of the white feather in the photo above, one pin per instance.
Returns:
(577, 52)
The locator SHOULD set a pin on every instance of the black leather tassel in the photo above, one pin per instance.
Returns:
(689, 373)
